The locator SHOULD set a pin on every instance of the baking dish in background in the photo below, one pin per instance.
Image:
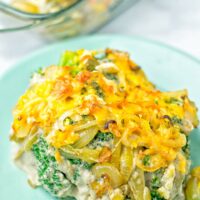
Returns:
(75, 18)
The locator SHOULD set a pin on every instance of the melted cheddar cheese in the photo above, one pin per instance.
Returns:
(115, 95)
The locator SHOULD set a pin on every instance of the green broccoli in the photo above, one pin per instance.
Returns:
(68, 121)
(100, 139)
(127, 198)
(186, 148)
(146, 160)
(111, 76)
(103, 136)
(98, 89)
(70, 59)
(156, 196)
(50, 177)
(176, 120)
(155, 184)
(174, 100)
(91, 64)
(76, 175)
(40, 71)
(81, 163)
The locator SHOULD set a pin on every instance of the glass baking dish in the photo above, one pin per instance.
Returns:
(75, 18)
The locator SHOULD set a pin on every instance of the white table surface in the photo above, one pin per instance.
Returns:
(176, 22)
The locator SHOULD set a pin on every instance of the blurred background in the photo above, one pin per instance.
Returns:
(175, 22)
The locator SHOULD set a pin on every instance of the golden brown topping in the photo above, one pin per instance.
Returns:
(110, 94)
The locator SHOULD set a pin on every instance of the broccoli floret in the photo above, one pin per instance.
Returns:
(155, 184)
(91, 64)
(156, 196)
(68, 58)
(50, 177)
(98, 89)
(156, 178)
(173, 100)
(127, 198)
(40, 71)
(111, 76)
(176, 120)
(68, 121)
(76, 175)
(81, 163)
(101, 139)
(186, 148)
(103, 136)
(146, 160)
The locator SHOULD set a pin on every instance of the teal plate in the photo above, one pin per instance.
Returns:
(168, 68)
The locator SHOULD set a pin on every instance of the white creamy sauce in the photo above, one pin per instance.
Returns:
(107, 67)
(37, 78)
(84, 192)
(167, 181)
(28, 165)
(66, 167)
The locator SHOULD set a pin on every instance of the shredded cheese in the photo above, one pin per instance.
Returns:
(115, 89)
